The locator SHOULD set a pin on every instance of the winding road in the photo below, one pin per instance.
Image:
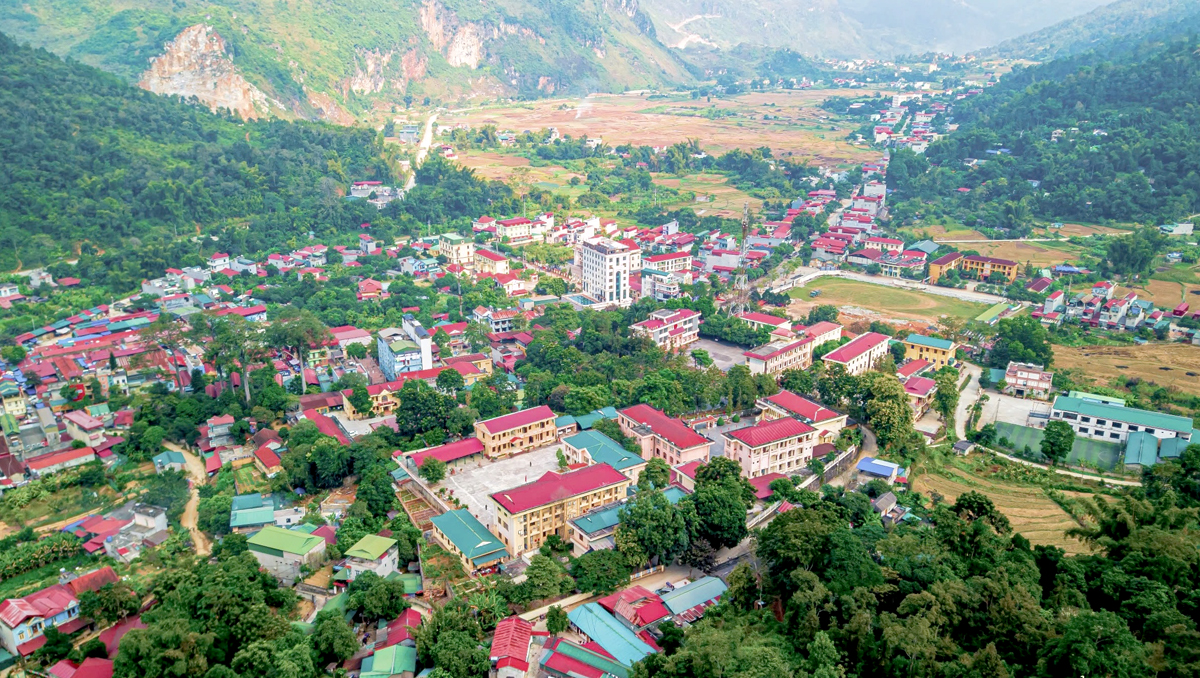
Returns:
(422, 150)
(191, 515)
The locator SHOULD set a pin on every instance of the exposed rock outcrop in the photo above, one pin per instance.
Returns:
(461, 43)
(195, 64)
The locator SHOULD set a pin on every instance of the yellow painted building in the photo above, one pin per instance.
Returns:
(518, 432)
(937, 352)
(527, 515)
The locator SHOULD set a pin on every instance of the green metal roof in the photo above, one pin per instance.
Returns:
(1082, 395)
(603, 628)
(98, 410)
(992, 313)
(604, 450)
(467, 534)
(402, 346)
(370, 547)
(251, 517)
(931, 342)
(9, 424)
(390, 661)
(587, 421)
(1142, 449)
(1172, 448)
(168, 457)
(247, 501)
(695, 593)
(8, 389)
(586, 656)
(565, 420)
(272, 538)
(608, 517)
(1131, 415)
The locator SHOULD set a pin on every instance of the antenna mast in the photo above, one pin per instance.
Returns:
(741, 285)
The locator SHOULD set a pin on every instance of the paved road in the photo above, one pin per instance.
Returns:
(966, 399)
(804, 275)
(191, 516)
(422, 151)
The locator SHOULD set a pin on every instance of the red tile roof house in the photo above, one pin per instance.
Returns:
(860, 354)
(23, 620)
(518, 432)
(636, 607)
(57, 461)
(84, 427)
(661, 436)
(510, 648)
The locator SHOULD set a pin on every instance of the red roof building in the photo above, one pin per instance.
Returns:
(861, 353)
(450, 452)
(661, 436)
(510, 645)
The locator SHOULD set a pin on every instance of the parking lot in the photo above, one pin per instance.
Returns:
(724, 356)
(474, 484)
(713, 433)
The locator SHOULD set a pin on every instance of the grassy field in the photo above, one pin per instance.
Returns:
(798, 128)
(248, 479)
(942, 232)
(1031, 513)
(1093, 453)
(888, 301)
(1160, 363)
(724, 200)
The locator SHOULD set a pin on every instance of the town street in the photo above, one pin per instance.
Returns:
(422, 151)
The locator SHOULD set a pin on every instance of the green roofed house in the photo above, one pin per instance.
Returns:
(372, 553)
(612, 636)
(1101, 421)
(394, 660)
(463, 535)
(283, 552)
(594, 530)
(249, 512)
(564, 659)
(992, 315)
(170, 460)
(593, 447)
(1141, 450)
(687, 603)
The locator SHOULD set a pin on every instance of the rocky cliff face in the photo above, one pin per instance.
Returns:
(195, 64)
(460, 42)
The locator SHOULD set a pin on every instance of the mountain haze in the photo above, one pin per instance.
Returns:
(1114, 27)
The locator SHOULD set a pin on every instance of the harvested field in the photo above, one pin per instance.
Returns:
(1068, 230)
(1030, 511)
(801, 129)
(1161, 363)
(1166, 294)
(1039, 253)
(501, 166)
(890, 302)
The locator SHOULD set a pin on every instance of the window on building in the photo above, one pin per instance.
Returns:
(1114, 435)
(1101, 422)
(1083, 430)
(1150, 431)
(1132, 427)
(1085, 419)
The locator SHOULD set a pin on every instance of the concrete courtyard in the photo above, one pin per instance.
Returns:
(1009, 409)
(724, 356)
(473, 484)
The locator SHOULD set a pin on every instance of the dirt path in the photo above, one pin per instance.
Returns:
(191, 515)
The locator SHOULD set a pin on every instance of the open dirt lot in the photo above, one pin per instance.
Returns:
(1164, 364)
(802, 130)
(1008, 409)
(1086, 230)
(501, 166)
(473, 485)
(890, 302)
(1030, 511)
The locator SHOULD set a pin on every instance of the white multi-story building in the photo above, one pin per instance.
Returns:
(861, 353)
(1114, 423)
(670, 330)
(669, 263)
(605, 268)
(777, 356)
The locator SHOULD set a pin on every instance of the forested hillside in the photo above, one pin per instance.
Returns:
(86, 159)
(1064, 141)
(335, 59)
(1114, 27)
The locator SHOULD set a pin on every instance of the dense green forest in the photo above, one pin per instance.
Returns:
(85, 158)
(1127, 146)
(835, 594)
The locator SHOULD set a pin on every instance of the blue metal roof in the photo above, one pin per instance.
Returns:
(878, 467)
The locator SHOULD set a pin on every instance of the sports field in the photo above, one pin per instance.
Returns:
(1096, 453)
(891, 302)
